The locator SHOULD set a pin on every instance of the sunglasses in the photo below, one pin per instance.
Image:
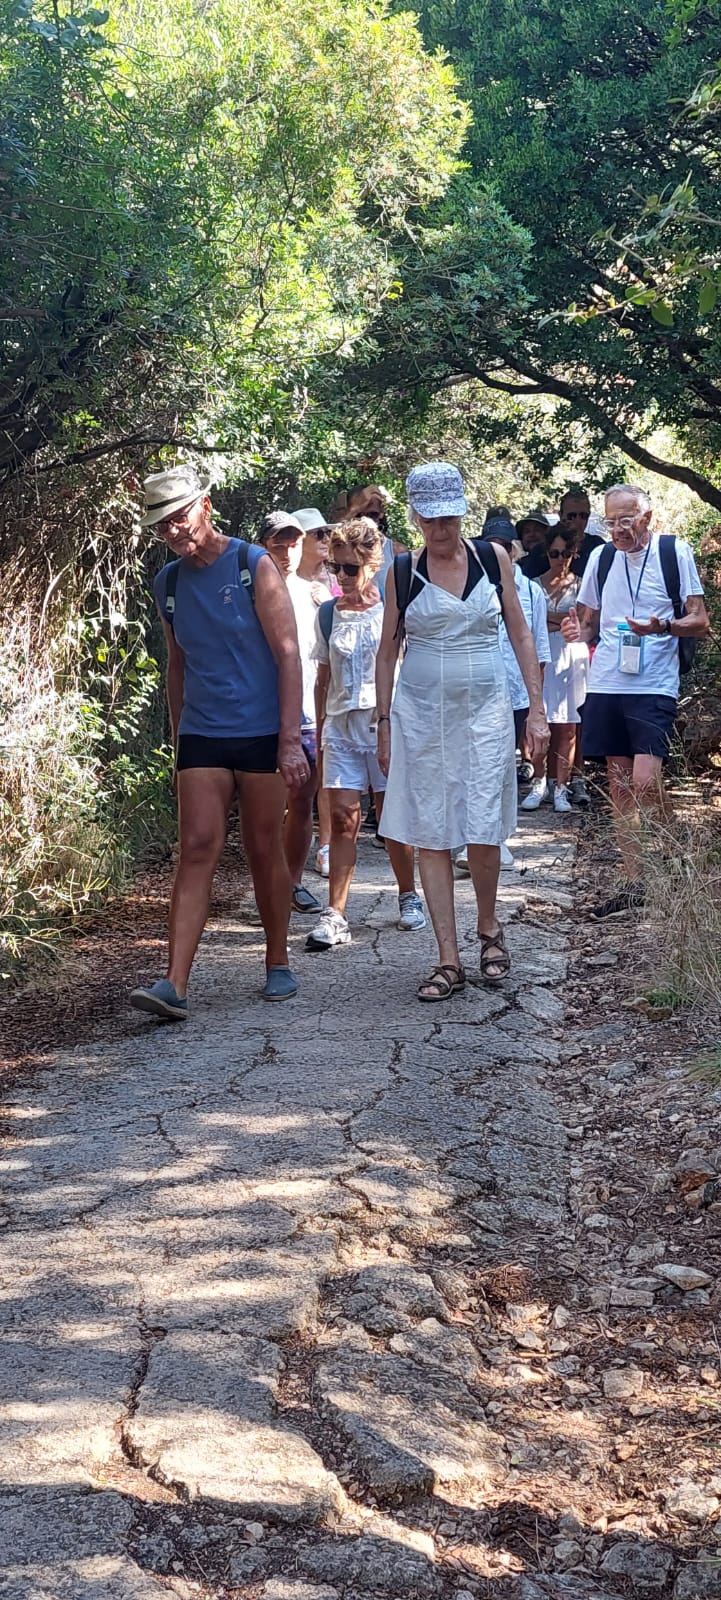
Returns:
(350, 568)
(558, 555)
(319, 533)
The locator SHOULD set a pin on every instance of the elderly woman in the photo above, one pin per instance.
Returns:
(449, 745)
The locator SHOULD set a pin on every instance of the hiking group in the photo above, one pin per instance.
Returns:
(324, 661)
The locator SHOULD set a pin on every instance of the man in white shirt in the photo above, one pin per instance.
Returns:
(624, 602)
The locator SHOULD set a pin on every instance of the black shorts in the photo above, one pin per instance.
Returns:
(628, 725)
(520, 719)
(237, 755)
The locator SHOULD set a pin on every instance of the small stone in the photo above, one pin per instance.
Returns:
(642, 1299)
(662, 1180)
(621, 1071)
(566, 1553)
(709, 1375)
(697, 1297)
(623, 1383)
(464, 1594)
(598, 1219)
(694, 1167)
(700, 1580)
(561, 1317)
(691, 1503)
(646, 1566)
(575, 1133)
(682, 1277)
(624, 1449)
(292, 1589)
(530, 1340)
(569, 1525)
(644, 1252)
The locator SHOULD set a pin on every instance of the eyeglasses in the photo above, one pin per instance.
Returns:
(177, 519)
(624, 524)
(557, 555)
(350, 568)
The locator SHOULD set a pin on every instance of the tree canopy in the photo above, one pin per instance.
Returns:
(197, 205)
(578, 118)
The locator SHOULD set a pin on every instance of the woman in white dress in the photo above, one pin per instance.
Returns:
(565, 680)
(448, 746)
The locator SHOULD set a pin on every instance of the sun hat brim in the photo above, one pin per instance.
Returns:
(455, 506)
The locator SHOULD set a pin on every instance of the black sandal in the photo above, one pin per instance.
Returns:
(444, 982)
(497, 942)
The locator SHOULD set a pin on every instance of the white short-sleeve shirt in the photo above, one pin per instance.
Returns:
(306, 611)
(635, 588)
(535, 611)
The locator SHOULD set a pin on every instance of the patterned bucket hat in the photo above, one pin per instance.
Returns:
(436, 490)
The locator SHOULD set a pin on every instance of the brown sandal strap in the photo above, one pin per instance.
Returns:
(441, 982)
(494, 941)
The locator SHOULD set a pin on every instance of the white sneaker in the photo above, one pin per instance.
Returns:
(507, 859)
(322, 860)
(330, 929)
(579, 793)
(411, 911)
(561, 798)
(461, 860)
(538, 792)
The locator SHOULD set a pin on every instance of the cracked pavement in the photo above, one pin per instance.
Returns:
(231, 1295)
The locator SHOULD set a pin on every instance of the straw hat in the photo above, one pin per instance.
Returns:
(166, 492)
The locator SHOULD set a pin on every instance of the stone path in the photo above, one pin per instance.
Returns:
(240, 1268)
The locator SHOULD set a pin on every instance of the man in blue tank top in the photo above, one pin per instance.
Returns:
(234, 690)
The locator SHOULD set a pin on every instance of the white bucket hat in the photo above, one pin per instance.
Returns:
(166, 492)
(310, 519)
(436, 490)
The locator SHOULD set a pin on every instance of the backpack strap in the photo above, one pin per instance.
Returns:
(403, 575)
(668, 555)
(605, 562)
(325, 617)
(485, 554)
(170, 588)
(244, 572)
(671, 574)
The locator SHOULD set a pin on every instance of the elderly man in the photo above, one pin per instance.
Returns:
(234, 695)
(640, 596)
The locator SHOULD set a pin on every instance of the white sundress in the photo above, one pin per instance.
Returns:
(565, 679)
(452, 778)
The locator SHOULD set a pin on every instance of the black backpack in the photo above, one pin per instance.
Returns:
(244, 573)
(404, 573)
(672, 580)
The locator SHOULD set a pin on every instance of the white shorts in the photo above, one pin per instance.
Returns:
(352, 769)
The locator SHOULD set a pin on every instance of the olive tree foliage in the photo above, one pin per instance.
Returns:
(578, 125)
(198, 207)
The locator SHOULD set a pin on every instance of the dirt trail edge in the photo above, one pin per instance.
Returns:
(356, 1297)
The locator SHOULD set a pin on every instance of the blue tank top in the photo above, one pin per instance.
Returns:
(230, 689)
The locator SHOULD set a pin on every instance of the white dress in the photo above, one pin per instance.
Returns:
(452, 778)
(565, 679)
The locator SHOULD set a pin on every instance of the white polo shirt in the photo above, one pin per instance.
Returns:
(635, 588)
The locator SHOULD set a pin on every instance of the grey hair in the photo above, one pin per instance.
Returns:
(638, 493)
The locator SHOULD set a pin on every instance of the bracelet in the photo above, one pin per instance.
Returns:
(382, 719)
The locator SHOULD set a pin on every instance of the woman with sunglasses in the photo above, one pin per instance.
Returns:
(565, 678)
(348, 632)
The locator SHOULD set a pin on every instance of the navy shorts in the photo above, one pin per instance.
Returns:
(237, 755)
(627, 725)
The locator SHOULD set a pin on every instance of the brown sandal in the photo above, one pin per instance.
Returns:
(443, 981)
(489, 943)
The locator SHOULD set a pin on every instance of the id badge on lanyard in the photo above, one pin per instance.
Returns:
(631, 651)
(632, 646)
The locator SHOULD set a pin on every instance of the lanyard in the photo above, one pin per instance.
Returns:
(634, 597)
